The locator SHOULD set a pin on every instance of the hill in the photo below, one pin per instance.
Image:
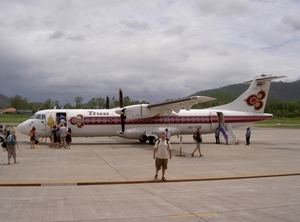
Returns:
(287, 91)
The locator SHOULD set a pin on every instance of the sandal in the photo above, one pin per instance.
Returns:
(163, 179)
(155, 177)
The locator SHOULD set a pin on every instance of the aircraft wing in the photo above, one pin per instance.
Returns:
(164, 108)
(178, 104)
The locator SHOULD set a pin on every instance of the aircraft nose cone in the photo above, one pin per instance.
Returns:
(21, 128)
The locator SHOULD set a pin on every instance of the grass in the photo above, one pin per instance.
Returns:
(280, 123)
(13, 119)
(281, 120)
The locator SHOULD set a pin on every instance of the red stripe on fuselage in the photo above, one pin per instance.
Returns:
(172, 120)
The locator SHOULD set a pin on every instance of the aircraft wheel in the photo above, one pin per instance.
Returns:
(152, 140)
(143, 139)
(1, 139)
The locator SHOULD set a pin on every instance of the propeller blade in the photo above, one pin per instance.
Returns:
(121, 98)
(123, 117)
(123, 123)
(107, 102)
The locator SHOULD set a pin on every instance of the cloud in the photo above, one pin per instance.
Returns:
(135, 24)
(57, 35)
(153, 50)
(292, 20)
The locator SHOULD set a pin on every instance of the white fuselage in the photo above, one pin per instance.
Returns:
(105, 122)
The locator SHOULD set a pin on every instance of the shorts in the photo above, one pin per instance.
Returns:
(32, 138)
(161, 163)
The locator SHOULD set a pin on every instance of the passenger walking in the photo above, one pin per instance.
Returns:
(198, 139)
(161, 152)
(55, 137)
(12, 142)
(51, 136)
(248, 134)
(32, 137)
(62, 134)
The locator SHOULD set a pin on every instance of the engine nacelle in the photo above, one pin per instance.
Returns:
(137, 111)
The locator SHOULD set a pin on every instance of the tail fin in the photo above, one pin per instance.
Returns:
(254, 98)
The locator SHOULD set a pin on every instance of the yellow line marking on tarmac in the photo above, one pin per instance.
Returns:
(194, 215)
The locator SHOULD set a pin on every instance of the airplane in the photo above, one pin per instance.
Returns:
(145, 122)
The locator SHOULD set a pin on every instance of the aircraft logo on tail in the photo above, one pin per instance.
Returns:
(256, 100)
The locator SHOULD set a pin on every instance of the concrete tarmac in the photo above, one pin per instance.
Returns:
(111, 179)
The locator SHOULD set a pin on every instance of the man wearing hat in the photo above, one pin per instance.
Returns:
(248, 134)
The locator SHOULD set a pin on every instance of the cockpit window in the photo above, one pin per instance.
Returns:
(38, 116)
(43, 116)
(33, 117)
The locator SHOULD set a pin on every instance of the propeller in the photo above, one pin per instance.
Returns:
(107, 103)
(123, 117)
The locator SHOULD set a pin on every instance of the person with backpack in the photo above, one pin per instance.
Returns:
(7, 130)
(11, 145)
(198, 138)
(161, 152)
(32, 137)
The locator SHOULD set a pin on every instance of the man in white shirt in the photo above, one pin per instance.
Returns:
(168, 134)
(161, 152)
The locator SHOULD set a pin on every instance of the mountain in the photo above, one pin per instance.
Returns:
(288, 91)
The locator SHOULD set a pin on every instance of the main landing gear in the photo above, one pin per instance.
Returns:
(144, 138)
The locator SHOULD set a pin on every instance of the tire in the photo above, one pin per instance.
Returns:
(152, 140)
(1, 139)
(144, 139)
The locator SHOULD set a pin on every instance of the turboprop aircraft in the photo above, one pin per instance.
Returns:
(145, 122)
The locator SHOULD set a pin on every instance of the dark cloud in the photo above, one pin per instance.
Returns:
(57, 35)
(292, 20)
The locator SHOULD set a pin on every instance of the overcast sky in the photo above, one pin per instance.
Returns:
(153, 50)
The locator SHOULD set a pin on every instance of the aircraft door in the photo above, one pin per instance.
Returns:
(221, 118)
(216, 122)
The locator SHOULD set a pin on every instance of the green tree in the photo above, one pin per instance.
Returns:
(78, 102)
(92, 104)
(68, 106)
(49, 104)
(18, 102)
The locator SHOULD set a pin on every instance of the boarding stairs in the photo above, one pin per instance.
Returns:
(228, 133)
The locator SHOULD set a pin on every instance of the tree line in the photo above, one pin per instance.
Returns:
(277, 107)
(20, 103)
